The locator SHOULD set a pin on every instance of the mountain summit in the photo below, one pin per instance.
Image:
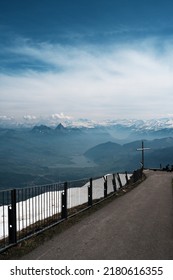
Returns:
(41, 129)
(60, 127)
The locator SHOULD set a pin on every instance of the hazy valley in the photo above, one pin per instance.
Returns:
(43, 154)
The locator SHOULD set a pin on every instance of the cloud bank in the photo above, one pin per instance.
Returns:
(115, 81)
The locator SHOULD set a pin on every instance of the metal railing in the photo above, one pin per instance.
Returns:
(28, 211)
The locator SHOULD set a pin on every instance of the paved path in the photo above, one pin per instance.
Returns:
(138, 225)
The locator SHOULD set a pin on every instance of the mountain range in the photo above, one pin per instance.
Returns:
(45, 154)
(158, 154)
(121, 129)
(54, 120)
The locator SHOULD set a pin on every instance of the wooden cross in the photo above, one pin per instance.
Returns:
(142, 149)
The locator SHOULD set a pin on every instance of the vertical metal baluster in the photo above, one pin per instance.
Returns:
(56, 201)
(29, 201)
(22, 218)
(44, 205)
(90, 187)
(54, 205)
(35, 206)
(39, 212)
(3, 222)
(37, 202)
(32, 211)
(18, 211)
(41, 206)
(47, 203)
(26, 199)
(8, 202)
(52, 200)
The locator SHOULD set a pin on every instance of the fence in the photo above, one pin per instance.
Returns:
(28, 211)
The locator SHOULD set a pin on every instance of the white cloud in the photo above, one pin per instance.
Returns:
(28, 117)
(121, 81)
(61, 116)
(6, 118)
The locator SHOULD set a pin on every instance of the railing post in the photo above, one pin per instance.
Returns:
(114, 183)
(134, 176)
(12, 228)
(64, 202)
(141, 172)
(127, 180)
(119, 180)
(105, 187)
(90, 193)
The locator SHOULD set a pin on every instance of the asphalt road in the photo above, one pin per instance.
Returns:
(138, 225)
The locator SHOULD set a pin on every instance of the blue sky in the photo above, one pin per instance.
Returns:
(95, 59)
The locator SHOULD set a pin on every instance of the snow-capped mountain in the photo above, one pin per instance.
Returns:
(129, 125)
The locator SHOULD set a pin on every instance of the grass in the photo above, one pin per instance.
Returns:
(33, 242)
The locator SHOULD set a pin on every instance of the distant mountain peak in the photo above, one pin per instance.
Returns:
(61, 127)
(42, 129)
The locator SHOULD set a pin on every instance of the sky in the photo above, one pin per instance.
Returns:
(96, 59)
